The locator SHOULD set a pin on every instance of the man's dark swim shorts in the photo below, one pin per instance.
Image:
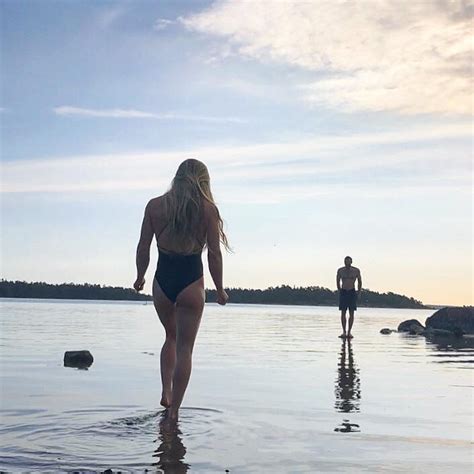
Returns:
(347, 299)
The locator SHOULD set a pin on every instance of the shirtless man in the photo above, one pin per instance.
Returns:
(347, 293)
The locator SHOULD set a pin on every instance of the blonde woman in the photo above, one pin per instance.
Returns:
(184, 220)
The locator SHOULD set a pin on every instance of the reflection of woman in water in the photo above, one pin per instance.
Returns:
(171, 453)
(184, 220)
(348, 381)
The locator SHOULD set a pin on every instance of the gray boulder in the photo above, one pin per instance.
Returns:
(458, 320)
(79, 359)
(412, 326)
(385, 331)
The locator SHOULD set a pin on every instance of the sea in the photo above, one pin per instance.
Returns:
(273, 389)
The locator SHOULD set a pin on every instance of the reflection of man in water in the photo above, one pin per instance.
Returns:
(345, 280)
(348, 381)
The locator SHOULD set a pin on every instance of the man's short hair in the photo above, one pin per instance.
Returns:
(350, 258)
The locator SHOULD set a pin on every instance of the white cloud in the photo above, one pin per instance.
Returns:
(269, 171)
(410, 57)
(162, 23)
(112, 113)
(130, 113)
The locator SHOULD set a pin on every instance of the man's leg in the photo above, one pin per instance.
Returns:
(351, 321)
(343, 322)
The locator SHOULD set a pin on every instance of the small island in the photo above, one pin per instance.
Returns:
(279, 295)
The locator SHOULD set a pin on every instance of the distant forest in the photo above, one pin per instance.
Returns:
(314, 296)
(67, 291)
(311, 296)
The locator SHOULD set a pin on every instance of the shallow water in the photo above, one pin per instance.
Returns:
(272, 390)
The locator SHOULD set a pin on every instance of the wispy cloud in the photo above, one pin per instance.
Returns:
(162, 23)
(409, 57)
(131, 113)
(409, 160)
(108, 16)
(111, 113)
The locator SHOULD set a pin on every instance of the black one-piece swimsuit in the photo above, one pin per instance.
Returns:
(176, 271)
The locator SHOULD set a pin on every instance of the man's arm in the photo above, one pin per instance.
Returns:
(359, 282)
(338, 279)
(143, 249)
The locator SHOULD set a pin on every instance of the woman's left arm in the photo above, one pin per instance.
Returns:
(143, 249)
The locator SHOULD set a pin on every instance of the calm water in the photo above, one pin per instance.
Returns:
(273, 390)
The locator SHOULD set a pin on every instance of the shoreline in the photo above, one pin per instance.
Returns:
(146, 302)
(273, 295)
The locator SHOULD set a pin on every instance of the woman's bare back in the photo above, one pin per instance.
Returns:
(160, 220)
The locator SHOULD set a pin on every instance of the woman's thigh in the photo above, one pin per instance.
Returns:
(165, 309)
(189, 308)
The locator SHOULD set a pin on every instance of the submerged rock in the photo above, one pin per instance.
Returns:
(412, 326)
(416, 330)
(430, 332)
(80, 359)
(458, 320)
(386, 331)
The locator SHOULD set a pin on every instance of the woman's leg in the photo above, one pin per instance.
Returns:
(166, 310)
(189, 308)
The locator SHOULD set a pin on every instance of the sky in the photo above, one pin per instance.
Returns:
(329, 129)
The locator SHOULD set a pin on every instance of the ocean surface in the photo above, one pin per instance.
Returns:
(273, 389)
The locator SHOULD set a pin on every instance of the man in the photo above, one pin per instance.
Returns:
(345, 280)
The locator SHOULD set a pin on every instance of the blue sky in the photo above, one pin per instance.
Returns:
(327, 130)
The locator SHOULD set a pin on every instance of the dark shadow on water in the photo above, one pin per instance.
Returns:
(451, 350)
(347, 387)
(347, 427)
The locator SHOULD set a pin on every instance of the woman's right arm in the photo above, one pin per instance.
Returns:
(214, 254)
(143, 249)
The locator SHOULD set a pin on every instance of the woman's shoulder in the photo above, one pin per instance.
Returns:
(155, 208)
(210, 209)
(155, 202)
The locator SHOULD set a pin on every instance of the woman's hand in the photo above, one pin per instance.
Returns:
(139, 284)
(222, 297)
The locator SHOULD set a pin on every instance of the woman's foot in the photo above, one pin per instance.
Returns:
(173, 415)
(343, 335)
(350, 336)
(165, 399)
(169, 420)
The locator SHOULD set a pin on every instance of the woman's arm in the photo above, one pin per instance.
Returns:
(214, 254)
(143, 249)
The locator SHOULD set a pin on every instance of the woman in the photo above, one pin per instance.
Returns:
(184, 220)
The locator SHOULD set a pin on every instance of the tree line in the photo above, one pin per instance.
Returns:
(314, 296)
(284, 294)
(68, 291)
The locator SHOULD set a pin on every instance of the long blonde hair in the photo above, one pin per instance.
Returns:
(183, 205)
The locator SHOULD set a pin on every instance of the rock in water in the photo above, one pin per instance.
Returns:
(417, 330)
(80, 359)
(385, 331)
(413, 326)
(435, 333)
(459, 320)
